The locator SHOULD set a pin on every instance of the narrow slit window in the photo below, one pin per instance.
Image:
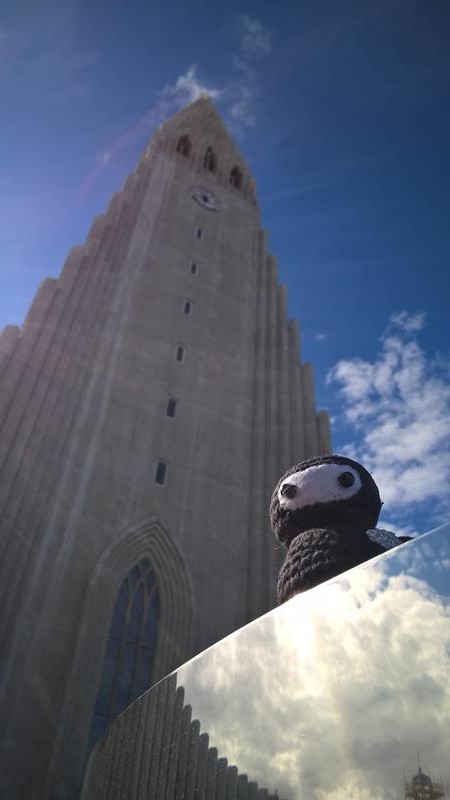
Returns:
(180, 353)
(199, 233)
(161, 473)
(236, 177)
(171, 407)
(193, 268)
(184, 145)
(187, 307)
(210, 160)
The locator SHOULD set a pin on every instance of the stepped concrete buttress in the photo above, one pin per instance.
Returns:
(84, 388)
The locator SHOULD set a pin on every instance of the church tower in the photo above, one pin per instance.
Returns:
(147, 406)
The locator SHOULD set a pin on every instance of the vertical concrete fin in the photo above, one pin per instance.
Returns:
(183, 753)
(211, 774)
(167, 737)
(256, 555)
(174, 752)
(294, 336)
(131, 186)
(9, 337)
(242, 787)
(202, 764)
(232, 776)
(72, 263)
(221, 791)
(191, 776)
(161, 691)
(272, 455)
(115, 206)
(309, 404)
(96, 233)
(273, 444)
(263, 237)
(324, 432)
(296, 398)
(284, 384)
(40, 307)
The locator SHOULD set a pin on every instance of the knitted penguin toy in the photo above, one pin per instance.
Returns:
(325, 511)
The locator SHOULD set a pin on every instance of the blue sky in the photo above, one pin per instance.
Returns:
(342, 112)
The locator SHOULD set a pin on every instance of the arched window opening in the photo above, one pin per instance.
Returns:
(130, 648)
(210, 160)
(184, 145)
(236, 176)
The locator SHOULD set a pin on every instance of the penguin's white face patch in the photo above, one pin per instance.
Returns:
(323, 483)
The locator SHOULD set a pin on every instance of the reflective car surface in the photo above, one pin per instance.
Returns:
(335, 694)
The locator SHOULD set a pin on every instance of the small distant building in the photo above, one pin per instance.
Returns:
(422, 787)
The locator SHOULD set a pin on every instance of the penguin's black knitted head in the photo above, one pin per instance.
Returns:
(326, 492)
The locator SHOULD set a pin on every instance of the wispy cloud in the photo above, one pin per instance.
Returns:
(320, 337)
(278, 697)
(188, 88)
(237, 98)
(254, 44)
(255, 39)
(398, 406)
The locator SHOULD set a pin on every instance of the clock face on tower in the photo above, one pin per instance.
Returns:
(205, 198)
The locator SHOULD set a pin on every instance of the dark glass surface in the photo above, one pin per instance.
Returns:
(135, 623)
(109, 670)
(152, 620)
(335, 693)
(129, 652)
(123, 695)
(161, 468)
(120, 611)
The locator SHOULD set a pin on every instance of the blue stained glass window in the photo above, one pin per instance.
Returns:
(143, 670)
(120, 611)
(127, 665)
(134, 627)
(152, 620)
(135, 575)
(109, 669)
(123, 695)
(97, 728)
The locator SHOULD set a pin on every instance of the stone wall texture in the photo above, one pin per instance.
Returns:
(84, 386)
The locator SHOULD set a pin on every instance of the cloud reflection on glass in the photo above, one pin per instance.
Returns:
(333, 694)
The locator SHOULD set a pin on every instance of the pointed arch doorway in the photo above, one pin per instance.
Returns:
(130, 648)
(148, 547)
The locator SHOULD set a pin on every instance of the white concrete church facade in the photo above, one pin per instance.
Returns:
(147, 406)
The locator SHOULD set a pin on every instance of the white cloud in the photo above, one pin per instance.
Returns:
(188, 88)
(236, 98)
(255, 43)
(408, 322)
(399, 408)
(331, 695)
(320, 337)
(255, 39)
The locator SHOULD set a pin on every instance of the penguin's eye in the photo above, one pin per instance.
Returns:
(288, 490)
(346, 479)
